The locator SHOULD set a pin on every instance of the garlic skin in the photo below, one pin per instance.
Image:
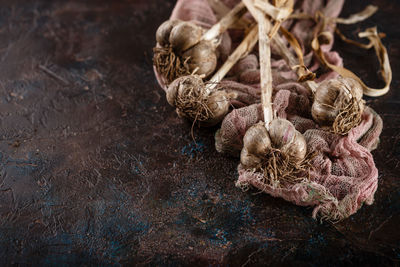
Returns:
(203, 57)
(285, 137)
(184, 35)
(218, 103)
(333, 95)
(164, 31)
(281, 135)
(256, 144)
(191, 99)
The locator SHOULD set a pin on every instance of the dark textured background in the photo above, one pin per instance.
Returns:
(96, 168)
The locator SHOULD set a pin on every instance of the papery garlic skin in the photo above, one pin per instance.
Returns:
(333, 95)
(184, 35)
(202, 58)
(164, 31)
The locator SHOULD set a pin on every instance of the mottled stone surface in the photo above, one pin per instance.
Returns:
(97, 169)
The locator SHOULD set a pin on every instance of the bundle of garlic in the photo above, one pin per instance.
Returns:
(342, 174)
(309, 141)
(201, 102)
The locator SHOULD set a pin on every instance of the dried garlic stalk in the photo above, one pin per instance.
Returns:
(380, 50)
(374, 41)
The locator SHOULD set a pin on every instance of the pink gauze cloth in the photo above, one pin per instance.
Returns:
(344, 175)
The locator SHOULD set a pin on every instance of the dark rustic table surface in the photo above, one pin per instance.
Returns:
(97, 169)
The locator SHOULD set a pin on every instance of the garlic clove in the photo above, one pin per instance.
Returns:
(164, 31)
(323, 114)
(249, 160)
(185, 35)
(297, 150)
(257, 140)
(286, 138)
(218, 104)
(281, 132)
(202, 57)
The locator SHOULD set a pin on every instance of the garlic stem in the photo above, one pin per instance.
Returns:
(291, 60)
(277, 12)
(265, 70)
(244, 48)
(235, 14)
(277, 39)
(219, 8)
(264, 27)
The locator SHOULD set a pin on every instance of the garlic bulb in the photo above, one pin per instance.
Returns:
(282, 135)
(337, 99)
(192, 100)
(273, 147)
(184, 48)
(181, 51)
